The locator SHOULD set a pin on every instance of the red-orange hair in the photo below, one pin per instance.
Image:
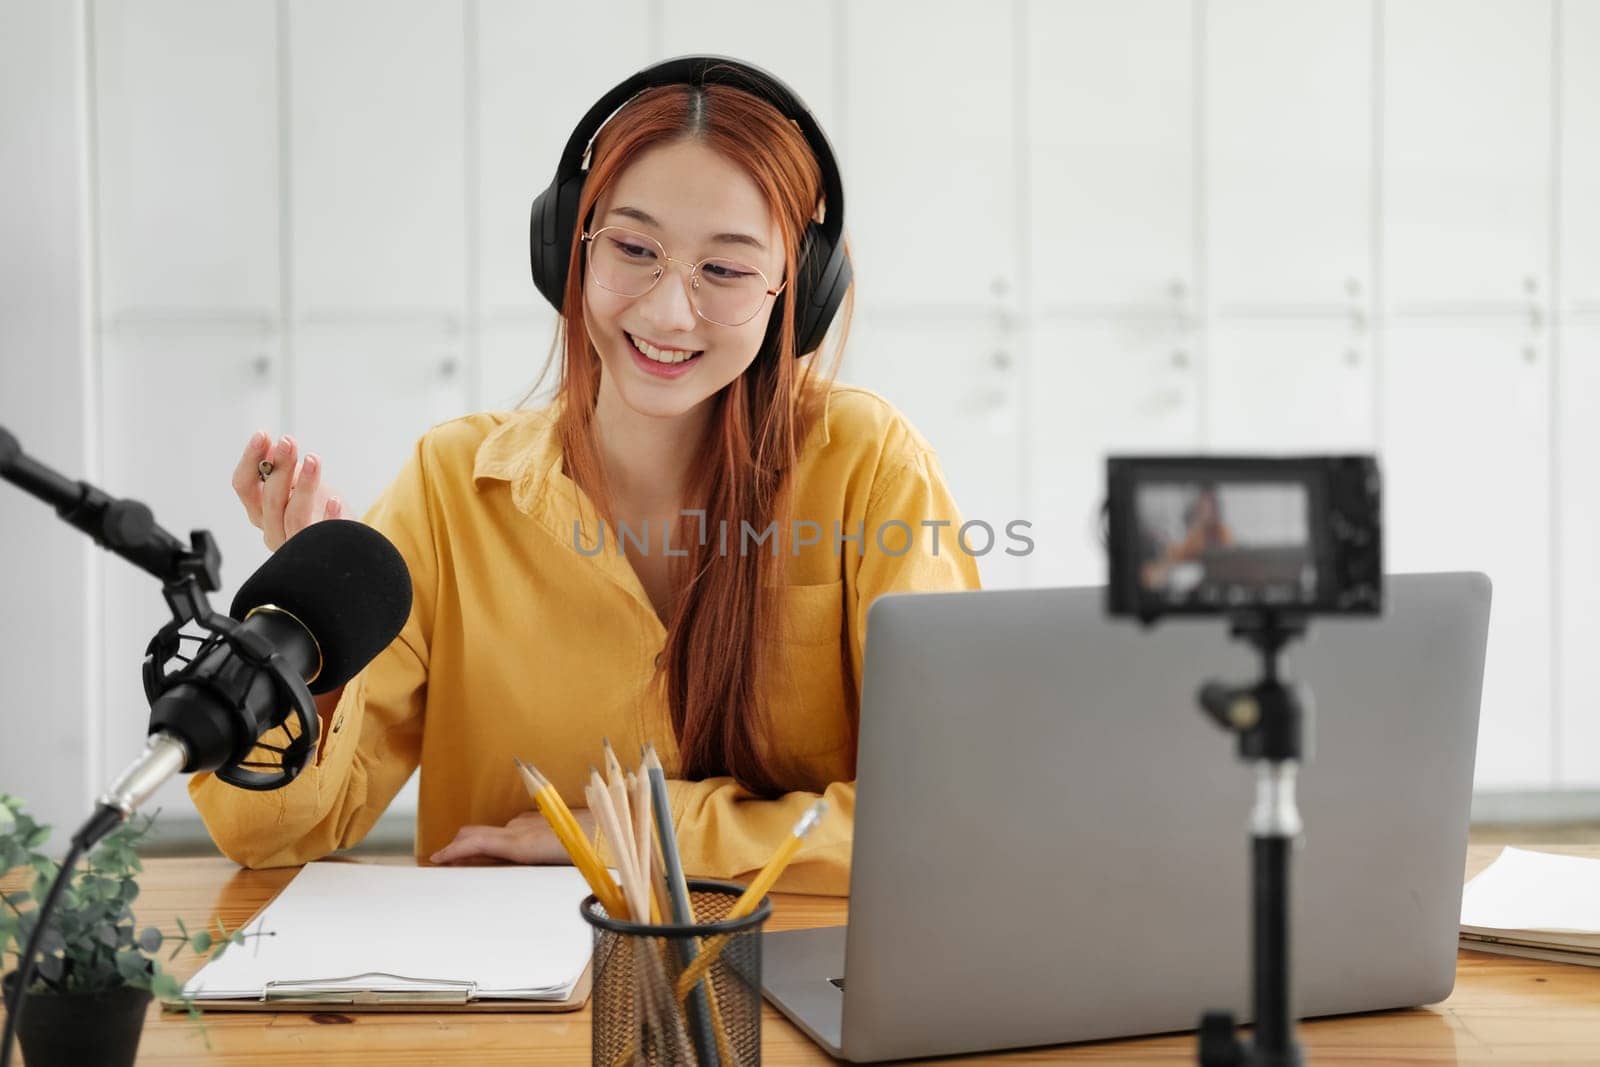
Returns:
(724, 617)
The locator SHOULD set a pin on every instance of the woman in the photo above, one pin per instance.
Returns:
(732, 637)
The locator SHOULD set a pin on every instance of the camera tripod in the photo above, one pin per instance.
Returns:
(1270, 721)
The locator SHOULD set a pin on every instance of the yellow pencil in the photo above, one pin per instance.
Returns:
(571, 836)
(751, 898)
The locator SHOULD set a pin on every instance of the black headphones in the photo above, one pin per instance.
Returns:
(823, 274)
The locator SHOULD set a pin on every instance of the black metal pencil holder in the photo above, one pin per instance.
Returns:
(640, 1016)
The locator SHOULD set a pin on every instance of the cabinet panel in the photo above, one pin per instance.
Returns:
(1466, 152)
(929, 160)
(1111, 179)
(1096, 388)
(1289, 172)
(360, 399)
(532, 88)
(178, 412)
(1289, 386)
(957, 383)
(1578, 593)
(187, 180)
(1579, 229)
(377, 149)
(1466, 416)
(513, 357)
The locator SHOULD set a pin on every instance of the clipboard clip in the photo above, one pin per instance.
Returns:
(323, 991)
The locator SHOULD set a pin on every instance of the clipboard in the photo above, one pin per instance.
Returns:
(285, 996)
(382, 937)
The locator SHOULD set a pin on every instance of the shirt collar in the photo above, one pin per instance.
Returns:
(525, 448)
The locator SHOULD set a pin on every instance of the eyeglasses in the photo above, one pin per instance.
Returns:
(722, 291)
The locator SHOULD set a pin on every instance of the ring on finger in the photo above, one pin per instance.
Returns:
(264, 469)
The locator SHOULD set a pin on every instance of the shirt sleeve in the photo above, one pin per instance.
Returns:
(726, 832)
(374, 739)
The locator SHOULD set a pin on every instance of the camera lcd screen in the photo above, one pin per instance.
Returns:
(1214, 545)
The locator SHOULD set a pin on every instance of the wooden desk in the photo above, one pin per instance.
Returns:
(1504, 1010)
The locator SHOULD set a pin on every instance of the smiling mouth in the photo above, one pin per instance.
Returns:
(668, 356)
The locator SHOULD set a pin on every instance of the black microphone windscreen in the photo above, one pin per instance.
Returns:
(346, 583)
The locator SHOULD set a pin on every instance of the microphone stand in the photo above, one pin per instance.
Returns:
(187, 574)
(1271, 723)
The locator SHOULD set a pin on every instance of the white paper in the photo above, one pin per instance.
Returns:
(1524, 890)
(502, 931)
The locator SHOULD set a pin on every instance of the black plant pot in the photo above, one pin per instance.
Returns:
(75, 1029)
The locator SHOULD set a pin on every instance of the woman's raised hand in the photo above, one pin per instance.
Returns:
(290, 496)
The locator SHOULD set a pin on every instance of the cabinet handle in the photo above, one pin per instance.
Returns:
(999, 287)
(1352, 287)
(1530, 353)
(1001, 359)
(1530, 284)
(1179, 290)
(1352, 356)
(1535, 318)
(448, 366)
(262, 365)
(1358, 321)
(1180, 358)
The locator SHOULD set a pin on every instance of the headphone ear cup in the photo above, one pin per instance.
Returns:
(820, 286)
(551, 224)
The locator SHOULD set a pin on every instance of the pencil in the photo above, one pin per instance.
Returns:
(621, 843)
(570, 835)
(751, 898)
(708, 1037)
(639, 796)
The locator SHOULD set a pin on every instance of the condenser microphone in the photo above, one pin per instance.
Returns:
(327, 602)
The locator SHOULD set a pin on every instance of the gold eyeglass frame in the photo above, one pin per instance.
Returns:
(694, 275)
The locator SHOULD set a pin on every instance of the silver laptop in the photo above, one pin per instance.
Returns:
(1051, 841)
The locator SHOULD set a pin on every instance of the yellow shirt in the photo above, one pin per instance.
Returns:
(518, 643)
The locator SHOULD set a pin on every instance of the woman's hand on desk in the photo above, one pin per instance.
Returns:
(288, 495)
(525, 839)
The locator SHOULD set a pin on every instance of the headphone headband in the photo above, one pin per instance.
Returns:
(698, 72)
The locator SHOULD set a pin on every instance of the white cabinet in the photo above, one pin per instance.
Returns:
(178, 411)
(1095, 388)
(186, 137)
(377, 152)
(929, 153)
(1579, 211)
(512, 358)
(1578, 591)
(1288, 183)
(957, 383)
(803, 55)
(361, 396)
(1466, 153)
(1110, 223)
(1466, 432)
(539, 68)
(1289, 385)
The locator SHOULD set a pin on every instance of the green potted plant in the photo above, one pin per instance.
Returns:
(96, 972)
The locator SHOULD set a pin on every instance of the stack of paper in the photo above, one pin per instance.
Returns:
(400, 934)
(1535, 904)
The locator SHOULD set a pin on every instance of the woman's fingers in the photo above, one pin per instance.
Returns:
(334, 508)
(247, 475)
(307, 500)
(275, 493)
(473, 842)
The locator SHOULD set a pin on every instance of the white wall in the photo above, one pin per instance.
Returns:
(48, 661)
